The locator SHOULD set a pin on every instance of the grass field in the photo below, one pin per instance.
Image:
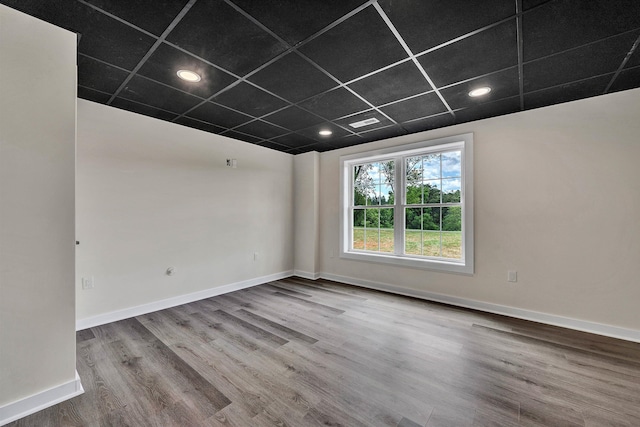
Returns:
(428, 244)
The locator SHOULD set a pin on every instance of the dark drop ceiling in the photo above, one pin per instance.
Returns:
(276, 72)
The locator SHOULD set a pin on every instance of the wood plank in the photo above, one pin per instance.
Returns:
(303, 353)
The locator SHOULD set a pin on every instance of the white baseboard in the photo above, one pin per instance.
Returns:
(306, 274)
(549, 319)
(29, 405)
(127, 313)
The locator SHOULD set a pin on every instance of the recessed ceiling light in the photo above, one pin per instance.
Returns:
(365, 122)
(480, 91)
(189, 76)
(325, 132)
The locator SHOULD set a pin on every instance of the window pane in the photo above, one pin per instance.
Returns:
(372, 239)
(451, 190)
(386, 230)
(413, 242)
(431, 234)
(431, 166)
(358, 217)
(452, 232)
(358, 238)
(431, 243)
(432, 191)
(431, 219)
(358, 229)
(386, 218)
(358, 197)
(386, 192)
(451, 165)
(413, 218)
(373, 197)
(413, 231)
(414, 192)
(413, 169)
(372, 218)
(361, 184)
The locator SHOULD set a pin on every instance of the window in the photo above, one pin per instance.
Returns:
(410, 205)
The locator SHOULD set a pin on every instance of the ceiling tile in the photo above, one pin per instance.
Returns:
(357, 46)
(420, 106)
(488, 109)
(293, 118)
(215, 31)
(382, 121)
(390, 85)
(262, 129)
(197, 124)
(102, 37)
(154, 94)
(429, 123)
(490, 50)
(294, 140)
(274, 146)
(347, 141)
(242, 137)
(312, 132)
(563, 24)
(426, 24)
(217, 115)
(573, 48)
(634, 61)
(151, 15)
(530, 4)
(382, 133)
(93, 95)
(627, 79)
(336, 103)
(146, 110)
(291, 20)
(591, 60)
(503, 84)
(249, 99)
(165, 62)
(302, 81)
(320, 147)
(567, 92)
(98, 75)
(295, 151)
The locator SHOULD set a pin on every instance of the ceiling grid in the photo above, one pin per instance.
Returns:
(277, 72)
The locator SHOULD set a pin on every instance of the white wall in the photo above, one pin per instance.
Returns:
(557, 195)
(37, 168)
(153, 195)
(306, 196)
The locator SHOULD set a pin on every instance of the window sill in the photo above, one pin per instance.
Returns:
(400, 261)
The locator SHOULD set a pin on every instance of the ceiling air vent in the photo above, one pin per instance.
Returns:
(366, 122)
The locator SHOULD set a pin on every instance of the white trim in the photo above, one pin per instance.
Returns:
(36, 402)
(306, 274)
(519, 313)
(127, 313)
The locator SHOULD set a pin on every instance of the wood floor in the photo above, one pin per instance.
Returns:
(316, 353)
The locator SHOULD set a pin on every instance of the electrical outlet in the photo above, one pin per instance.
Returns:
(512, 276)
(87, 283)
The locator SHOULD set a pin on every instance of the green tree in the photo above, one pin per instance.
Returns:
(386, 218)
(452, 220)
(372, 218)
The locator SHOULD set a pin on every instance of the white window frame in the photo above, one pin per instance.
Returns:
(462, 142)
